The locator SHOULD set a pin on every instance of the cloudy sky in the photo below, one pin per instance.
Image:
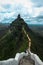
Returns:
(9, 9)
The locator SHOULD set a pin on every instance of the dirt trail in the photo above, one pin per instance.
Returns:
(28, 39)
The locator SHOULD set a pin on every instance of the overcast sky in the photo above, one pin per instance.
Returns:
(27, 8)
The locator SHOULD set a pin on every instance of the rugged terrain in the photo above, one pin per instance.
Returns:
(15, 40)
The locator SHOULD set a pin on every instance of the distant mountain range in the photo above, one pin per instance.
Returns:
(38, 29)
(14, 40)
(39, 17)
(26, 18)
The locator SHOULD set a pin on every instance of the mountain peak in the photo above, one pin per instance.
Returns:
(19, 16)
(15, 40)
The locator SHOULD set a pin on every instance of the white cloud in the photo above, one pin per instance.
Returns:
(19, 5)
(13, 7)
(37, 3)
(9, 15)
(6, 1)
(37, 11)
(2, 9)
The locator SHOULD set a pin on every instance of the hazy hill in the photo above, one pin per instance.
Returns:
(16, 41)
(3, 29)
(37, 29)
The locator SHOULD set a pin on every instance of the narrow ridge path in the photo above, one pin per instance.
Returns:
(29, 40)
(26, 60)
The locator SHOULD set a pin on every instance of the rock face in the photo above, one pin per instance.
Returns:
(26, 60)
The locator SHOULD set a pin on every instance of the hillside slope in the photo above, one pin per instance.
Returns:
(16, 41)
(3, 29)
